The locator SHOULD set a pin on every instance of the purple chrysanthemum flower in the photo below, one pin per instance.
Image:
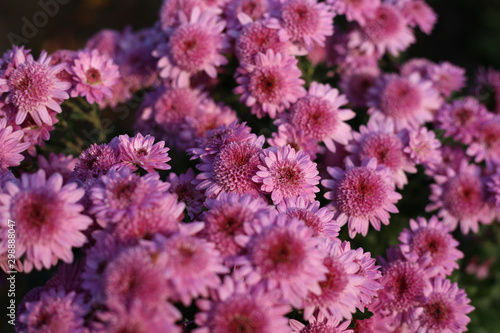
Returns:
(254, 9)
(235, 307)
(362, 195)
(287, 174)
(461, 119)
(356, 82)
(33, 87)
(140, 151)
(186, 192)
(48, 219)
(59, 163)
(378, 140)
(407, 101)
(225, 218)
(423, 147)
(11, 146)
(447, 78)
(192, 47)
(282, 254)
(357, 11)
(231, 169)
(171, 11)
(55, 311)
(432, 238)
(320, 220)
(305, 22)
(418, 13)
(271, 85)
(460, 196)
(319, 115)
(446, 309)
(320, 327)
(493, 187)
(191, 264)
(289, 135)
(95, 161)
(121, 193)
(94, 75)
(340, 291)
(486, 145)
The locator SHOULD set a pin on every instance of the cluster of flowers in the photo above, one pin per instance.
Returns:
(244, 242)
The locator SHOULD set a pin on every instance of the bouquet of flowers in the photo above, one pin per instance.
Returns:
(287, 171)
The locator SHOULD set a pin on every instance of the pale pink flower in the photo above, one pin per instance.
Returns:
(140, 151)
(358, 10)
(289, 135)
(447, 78)
(418, 13)
(423, 147)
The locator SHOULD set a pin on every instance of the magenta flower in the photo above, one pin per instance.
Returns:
(319, 115)
(378, 140)
(191, 265)
(361, 195)
(320, 327)
(95, 161)
(140, 151)
(460, 196)
(171, 11)
(447, 78)
(431, 238)
(418, 13)
(356, 82)
(235, 307)
(59, 163)
(186, 191)
(289, 135)
(271, 85)
(225, 218)
(254, 9)
(407, 101)
(283, 255)
(305, 22)
(11, 146)
(33, 87)
(55, 311)
(287, 174)
(95, 75)
(48, 219)
(423, 147)
(320, 220)
(340, 291)
(192, 47)
(231, 169)
(486, 145)
(446, 309)
(357, 11)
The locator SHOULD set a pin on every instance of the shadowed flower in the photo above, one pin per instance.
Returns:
(140, 151)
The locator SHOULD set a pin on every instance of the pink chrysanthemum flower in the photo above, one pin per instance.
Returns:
(55, 311)
(231, 169)
(423, 147)
(418, 13)
(287, 174)
(282, 254)
(191, 265)
(305, 22)
(461, 119)
(106, 41)
(421, 66)
(33, 87)
(140, 151)
(361, 195)
(216, 138)
(378, 140)
(319, 115)
(234, 307)
(193, 47)
(95, 75)
(340, 291)
(358, 10)
(255, 38)
(407, 101)
(493, 186)
(386, 30)
(225, 218)
(95, 161)
(431, 237)
(48, 219)
(171, 11)
(186, 191)
(254, 9)
(460, 196)
(320, 220)
(452, 157)
(11, 146)
(59, 163)
(486, 145)
(271, 85)
(122, 193)
(65, 57)
(356, 82)
(320, 327)
(447, 78)
(289, 135)
(446, 309)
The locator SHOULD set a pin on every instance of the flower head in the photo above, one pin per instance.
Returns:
(11, 146)
(357, 11)
(140, 151)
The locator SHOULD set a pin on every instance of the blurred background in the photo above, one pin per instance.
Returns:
(467, 34)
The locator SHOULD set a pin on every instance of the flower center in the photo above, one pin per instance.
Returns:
(93, 76)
